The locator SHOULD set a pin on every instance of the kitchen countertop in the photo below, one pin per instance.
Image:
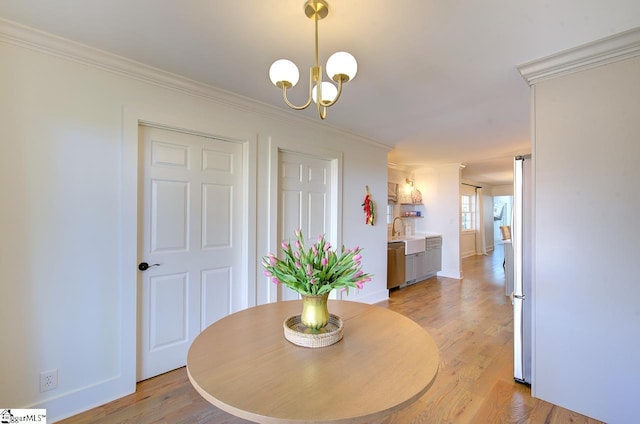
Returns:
(401, 238)
(395, 239)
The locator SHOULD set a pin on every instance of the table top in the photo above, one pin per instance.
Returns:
(244, 365)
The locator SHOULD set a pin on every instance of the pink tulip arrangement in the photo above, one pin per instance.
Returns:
(316, 270)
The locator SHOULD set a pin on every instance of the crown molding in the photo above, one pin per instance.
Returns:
(34, 39)
(601, 52)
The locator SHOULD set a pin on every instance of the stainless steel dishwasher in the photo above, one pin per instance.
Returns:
(395, 264)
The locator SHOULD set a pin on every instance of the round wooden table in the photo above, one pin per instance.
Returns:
(244, 365)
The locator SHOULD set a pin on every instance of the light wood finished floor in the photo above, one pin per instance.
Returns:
(470, 321)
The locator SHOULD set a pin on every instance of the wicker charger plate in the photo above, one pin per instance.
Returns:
(298, 333)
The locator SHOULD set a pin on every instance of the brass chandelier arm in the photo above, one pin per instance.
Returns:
(322, 105)
(326, 103)
(322, 111)
(291, 105)
(309, 100)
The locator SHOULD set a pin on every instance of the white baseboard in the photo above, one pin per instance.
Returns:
(450, 273)
(468, 254)
(75, 402)
(375, 297)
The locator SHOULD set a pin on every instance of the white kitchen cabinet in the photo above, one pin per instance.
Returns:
(415, 267)
(433, 256)
(410, 268)
(422, 265)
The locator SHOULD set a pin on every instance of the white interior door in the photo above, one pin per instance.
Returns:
(305, 201)
(191, 188)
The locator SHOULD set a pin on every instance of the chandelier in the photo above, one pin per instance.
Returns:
(341, 67)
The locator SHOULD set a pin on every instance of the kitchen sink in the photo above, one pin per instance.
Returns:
(411, 244)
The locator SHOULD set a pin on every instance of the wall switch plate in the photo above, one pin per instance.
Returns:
(48, 380)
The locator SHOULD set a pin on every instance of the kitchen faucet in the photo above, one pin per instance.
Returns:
(393, 227)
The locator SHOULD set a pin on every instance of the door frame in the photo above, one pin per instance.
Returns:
(267, 292)
(166, 116)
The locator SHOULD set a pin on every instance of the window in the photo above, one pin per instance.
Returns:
(467, 212)
(389, 214)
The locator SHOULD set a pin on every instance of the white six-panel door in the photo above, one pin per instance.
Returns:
(191, 188)
(305, 200)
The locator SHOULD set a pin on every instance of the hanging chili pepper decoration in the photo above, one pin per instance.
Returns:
(369, 208)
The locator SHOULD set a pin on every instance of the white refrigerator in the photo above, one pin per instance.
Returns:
(521, 236)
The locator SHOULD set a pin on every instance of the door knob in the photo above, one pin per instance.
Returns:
(143, 266)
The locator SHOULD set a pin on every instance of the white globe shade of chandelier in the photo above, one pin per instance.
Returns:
(342, 63)
(284, 71)
(329, 92)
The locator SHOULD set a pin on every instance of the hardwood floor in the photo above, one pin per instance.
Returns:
(470, 321)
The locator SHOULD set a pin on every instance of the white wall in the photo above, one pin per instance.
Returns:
(440, 188)
(68, 245)
(586, 290)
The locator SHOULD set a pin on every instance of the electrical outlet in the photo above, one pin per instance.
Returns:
(48, 380)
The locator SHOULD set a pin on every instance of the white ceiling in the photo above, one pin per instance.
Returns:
(437, 79)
